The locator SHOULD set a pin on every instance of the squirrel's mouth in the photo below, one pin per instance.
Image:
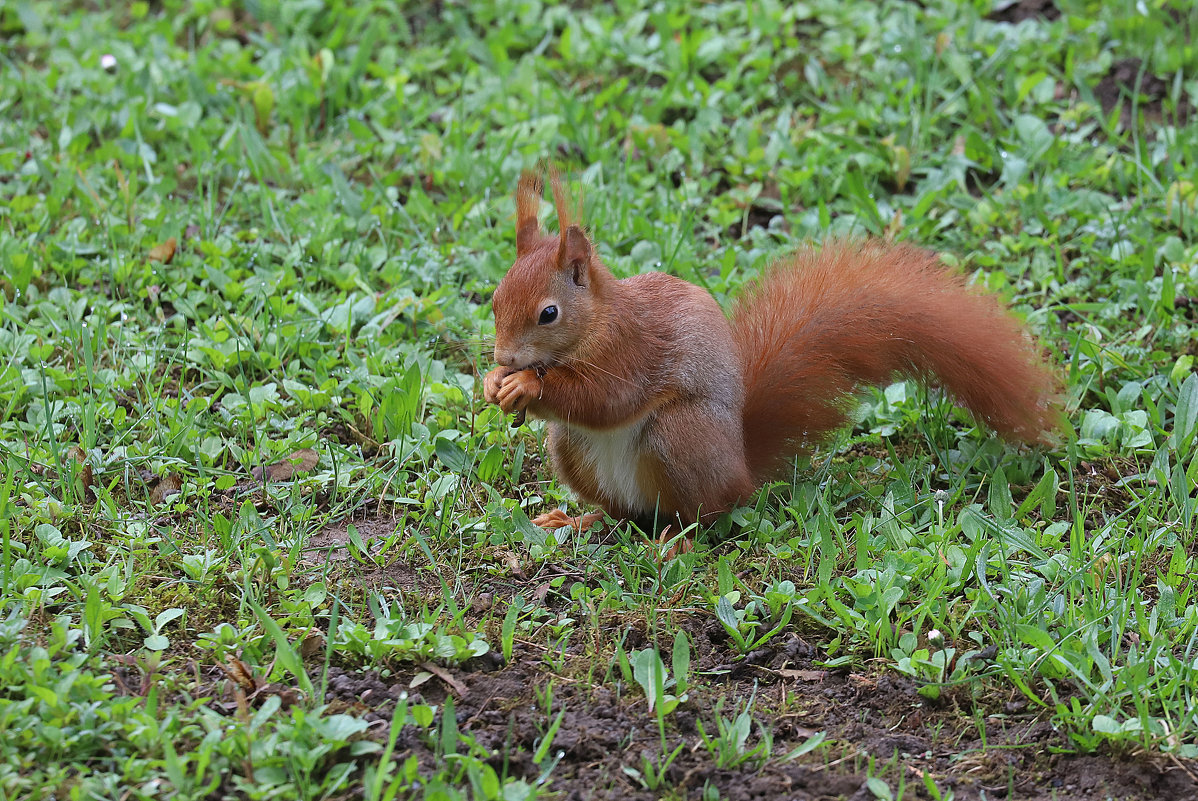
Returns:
(539, 367)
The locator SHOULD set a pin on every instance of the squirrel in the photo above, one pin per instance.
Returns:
(662, 408)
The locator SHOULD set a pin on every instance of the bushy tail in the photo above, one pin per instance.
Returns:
(822, 321)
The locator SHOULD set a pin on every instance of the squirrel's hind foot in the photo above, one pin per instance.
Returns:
(557, 518)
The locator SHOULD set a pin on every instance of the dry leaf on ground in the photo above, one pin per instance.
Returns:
(300, 461)
(163, 252)
(168, 485)
(86, 477)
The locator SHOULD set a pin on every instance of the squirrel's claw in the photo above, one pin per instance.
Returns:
(556, 518)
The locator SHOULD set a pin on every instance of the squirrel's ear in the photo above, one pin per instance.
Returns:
(574, 255)
(526, 237)
(528, 203)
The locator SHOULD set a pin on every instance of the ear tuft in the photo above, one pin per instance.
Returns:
(528, 203)
(564, 218)
(574, 254)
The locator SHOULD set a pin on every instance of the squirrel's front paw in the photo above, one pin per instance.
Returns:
(492, 381)
(518, 390)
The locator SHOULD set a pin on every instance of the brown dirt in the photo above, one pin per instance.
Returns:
(1020, 10)
(867, 714)
(758, 217)
(1127, 80)
(331, 544)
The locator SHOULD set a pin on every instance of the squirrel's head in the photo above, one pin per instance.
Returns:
(551, 296)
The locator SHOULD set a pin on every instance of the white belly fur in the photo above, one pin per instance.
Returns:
(613, 455)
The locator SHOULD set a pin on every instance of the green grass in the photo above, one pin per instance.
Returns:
(337, 178)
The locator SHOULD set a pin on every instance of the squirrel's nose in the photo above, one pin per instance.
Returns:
(504, 357)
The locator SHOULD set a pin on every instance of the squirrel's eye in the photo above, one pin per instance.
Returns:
(548, 315)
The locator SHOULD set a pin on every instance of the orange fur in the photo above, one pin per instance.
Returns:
(528, 204)
(565, 218)
(528, 198)
(821, 322)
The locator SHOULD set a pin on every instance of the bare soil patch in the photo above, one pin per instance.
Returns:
(606, 727)
(1128, 84)
(1020, 10)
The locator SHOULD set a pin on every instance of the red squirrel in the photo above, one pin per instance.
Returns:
(660, 407)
